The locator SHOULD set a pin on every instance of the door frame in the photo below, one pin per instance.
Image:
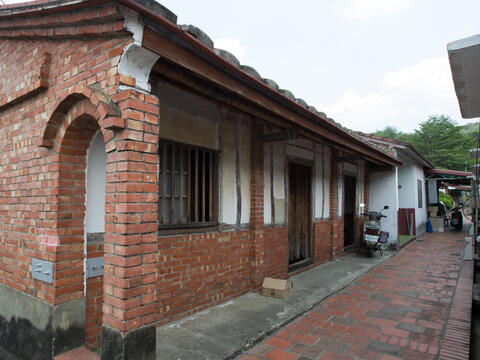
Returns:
(309, 164)
(355, 217)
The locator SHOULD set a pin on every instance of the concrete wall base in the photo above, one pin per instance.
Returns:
(138, 344)
(33, 329)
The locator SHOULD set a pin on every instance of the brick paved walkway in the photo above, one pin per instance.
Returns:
(417, 305)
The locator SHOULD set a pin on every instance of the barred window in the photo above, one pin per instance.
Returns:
(187, 186)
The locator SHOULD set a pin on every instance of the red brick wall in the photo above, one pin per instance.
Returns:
(322, 241)
(198, 271)
(276, 252)
(37, 219)
(94, 301)
(402, 221)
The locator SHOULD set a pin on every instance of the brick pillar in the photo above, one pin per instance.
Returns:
(130, 292)
(335, 228)
(256, 207)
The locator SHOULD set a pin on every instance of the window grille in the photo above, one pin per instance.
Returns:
(187, 185)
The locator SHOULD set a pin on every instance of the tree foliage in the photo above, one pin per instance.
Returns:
(440, 140)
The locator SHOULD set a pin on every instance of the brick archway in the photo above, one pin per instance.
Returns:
(81, 101)
(70, 132)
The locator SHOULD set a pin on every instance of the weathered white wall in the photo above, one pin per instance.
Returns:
(383, 188)
(420, 213)
(274, 155)
(301, 149)
(187, 118)
(322, 182)
(96, 175)
(267, 184)
(245, 167)
(340, 190)
(229, 192)
(408, 174)
(406, 191)
(279, 197)
(360, 199)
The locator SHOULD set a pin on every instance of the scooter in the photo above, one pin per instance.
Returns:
(373, 237)
(456, 217)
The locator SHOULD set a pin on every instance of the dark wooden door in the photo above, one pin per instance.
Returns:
(349, 211)
(299, 213)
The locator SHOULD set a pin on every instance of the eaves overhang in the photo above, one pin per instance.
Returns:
(464, 56)
(164, 37)
(413, 154)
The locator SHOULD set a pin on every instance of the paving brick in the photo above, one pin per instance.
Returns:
(411, 327)
(276, 354)
(384, 348)
(306, 350)
(278, 342)
(396, 316)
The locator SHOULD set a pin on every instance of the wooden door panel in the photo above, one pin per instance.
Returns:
(299, 212)
(349, 210)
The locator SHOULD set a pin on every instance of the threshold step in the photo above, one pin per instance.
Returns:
(81, 353)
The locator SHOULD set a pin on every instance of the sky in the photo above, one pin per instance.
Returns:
(365, 63)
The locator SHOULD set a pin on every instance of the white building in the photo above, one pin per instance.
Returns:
(401, 188)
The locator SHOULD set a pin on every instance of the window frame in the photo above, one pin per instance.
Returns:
(419, 194)
(203, 202)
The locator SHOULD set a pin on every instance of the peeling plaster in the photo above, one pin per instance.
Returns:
(245, 168)
(267, 195)
(229, 194)
(279, 171)
(136, 61)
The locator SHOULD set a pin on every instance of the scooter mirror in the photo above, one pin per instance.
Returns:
(386, 207)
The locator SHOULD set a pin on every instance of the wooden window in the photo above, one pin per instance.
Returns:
(419, 191)
(187, 186)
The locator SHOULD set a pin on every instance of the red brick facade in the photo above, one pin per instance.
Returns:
(63, 88)
(198, 271)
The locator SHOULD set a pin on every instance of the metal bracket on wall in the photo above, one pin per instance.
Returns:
(95, 267)
(42, 270)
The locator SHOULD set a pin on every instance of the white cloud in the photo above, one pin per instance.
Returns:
(233, 45)
(368, 9)
(405, 98)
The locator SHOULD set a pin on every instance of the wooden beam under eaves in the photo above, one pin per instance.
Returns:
(348, 159)
(288, 134)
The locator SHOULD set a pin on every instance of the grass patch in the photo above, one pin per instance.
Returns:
(403, 239)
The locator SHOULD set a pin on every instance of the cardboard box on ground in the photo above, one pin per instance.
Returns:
(276, 287)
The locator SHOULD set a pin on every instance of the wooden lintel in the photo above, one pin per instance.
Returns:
(379, 168)
(288, 134)
(349, 159)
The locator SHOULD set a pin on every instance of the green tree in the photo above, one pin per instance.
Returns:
(442, 142)
(389, 132)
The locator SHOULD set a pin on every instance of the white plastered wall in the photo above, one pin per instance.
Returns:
(245, 166)
(267, 184)
(406, 191)
(420, 212)
(229, 192)
(408, 174)
(322, 182)
(235, 144)
(96, 177)
(383, 191)
(340, 190)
